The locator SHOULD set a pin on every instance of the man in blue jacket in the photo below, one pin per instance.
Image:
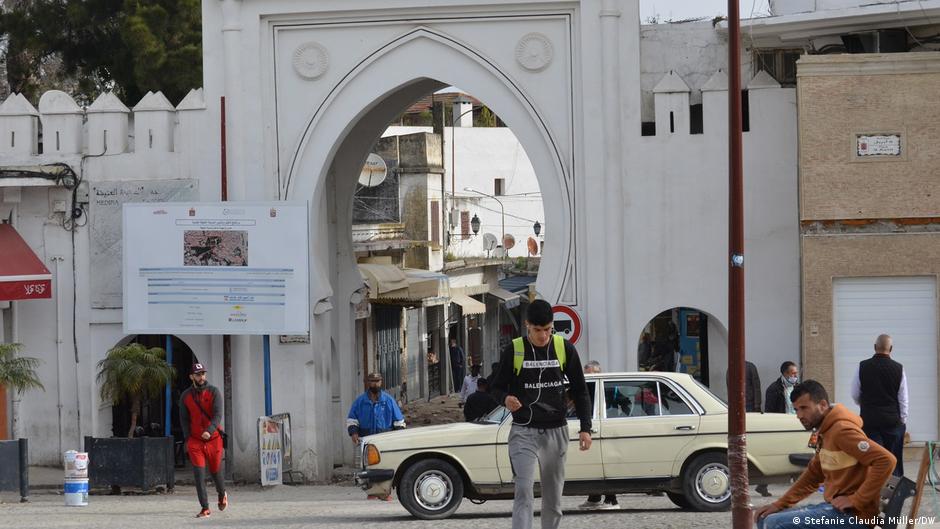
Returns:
(375, 411)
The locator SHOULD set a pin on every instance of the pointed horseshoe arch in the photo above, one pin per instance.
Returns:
(391, 74)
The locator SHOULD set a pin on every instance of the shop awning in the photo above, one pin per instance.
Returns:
(388, 282)
(383, 278)
(468, 304)
(22, 274)
(508, 298)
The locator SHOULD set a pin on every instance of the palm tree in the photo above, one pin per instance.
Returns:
(134, 372)
(18, 372)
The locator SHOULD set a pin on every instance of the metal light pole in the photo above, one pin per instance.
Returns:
(502, 238)
(737, 426)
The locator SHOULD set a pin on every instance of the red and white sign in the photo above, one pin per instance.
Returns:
(567, 322)
(22, 273)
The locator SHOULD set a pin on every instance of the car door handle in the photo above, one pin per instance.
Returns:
(685, 427)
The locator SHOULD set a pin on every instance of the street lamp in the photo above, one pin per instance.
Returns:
(537, 228)
(502, 213)
(475, 224)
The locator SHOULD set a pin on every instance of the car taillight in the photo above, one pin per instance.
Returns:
(372, 455)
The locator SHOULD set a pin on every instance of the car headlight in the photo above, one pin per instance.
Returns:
(372, 456)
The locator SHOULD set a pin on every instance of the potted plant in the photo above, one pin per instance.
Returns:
(132, 373)
(17, 373)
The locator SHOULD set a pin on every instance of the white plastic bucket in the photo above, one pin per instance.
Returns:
(76, 464)
(76, 492)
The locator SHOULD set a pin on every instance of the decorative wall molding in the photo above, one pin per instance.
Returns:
(534, 52)
(311, 60)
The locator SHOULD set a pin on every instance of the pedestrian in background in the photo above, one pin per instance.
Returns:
(375, 411)
(530, 382)
(593, 501)
(201, 419)
(457, 362)
(777, 398)
(752, 387)
(479, 403)
(469, 386)
(880, 389)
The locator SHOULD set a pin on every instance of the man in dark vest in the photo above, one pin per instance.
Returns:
(880, 389)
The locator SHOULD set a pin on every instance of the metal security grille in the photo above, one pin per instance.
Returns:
(388, 344)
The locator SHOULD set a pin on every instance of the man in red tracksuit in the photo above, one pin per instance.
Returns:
(200, 415)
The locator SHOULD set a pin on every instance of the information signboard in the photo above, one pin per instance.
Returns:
(216, 268)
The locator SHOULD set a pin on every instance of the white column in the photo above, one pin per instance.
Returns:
(613, 175)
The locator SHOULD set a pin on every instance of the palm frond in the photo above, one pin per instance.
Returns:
(18, 372)
(133, 370)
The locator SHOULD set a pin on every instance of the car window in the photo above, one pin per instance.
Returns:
(672, 403)
(571, 412)
(631, 398)
(496, 416)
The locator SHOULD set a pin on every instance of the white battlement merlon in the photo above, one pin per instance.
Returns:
(671, 102)
(107, 125)
(767, 102)
(715, 106)
(190, 114)
(19, 126)
(61, 119)
(154, 121)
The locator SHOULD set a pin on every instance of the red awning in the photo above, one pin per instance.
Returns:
(22, 274)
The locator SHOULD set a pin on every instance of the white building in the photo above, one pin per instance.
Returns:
(632, 224)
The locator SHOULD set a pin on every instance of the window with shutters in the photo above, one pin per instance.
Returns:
(465, 224)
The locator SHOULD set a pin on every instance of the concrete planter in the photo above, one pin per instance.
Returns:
(142, 462)
(14, 467)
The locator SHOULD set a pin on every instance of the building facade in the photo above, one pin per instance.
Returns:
(870, 219)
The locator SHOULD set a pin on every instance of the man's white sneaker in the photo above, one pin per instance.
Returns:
(591, 505)
(609, 506)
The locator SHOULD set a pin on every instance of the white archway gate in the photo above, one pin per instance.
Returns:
(311, 86)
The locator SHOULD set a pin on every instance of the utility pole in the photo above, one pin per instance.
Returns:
(737, 424)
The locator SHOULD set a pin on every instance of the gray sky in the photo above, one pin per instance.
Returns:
(682, 9)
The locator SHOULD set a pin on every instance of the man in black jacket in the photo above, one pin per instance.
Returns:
(880, 389)
(752, 388)
(530, 382)
(480, 402)
(777, 398)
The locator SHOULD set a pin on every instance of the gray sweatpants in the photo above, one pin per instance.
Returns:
(547, 448)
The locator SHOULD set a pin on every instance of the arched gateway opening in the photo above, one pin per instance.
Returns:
(336, 142)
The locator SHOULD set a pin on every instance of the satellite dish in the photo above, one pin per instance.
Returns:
(489, 241)
(533, 246)
(508, 241)
(373, 172)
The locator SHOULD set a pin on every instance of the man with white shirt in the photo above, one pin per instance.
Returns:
(880, 389)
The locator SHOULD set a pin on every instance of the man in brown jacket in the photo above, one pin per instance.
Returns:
(851, 466)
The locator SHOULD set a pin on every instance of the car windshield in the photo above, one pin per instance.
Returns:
(705, 388)
(496, 416)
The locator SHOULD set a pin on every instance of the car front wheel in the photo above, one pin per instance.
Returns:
(707, 482)
(431, 489)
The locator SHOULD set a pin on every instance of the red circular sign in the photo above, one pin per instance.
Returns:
(567, 322)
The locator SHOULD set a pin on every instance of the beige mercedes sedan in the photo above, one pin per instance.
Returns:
(652, 432)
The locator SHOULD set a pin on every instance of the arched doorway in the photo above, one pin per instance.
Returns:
(677, 340)
(153, 410)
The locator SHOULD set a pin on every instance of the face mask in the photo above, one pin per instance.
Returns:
(792, 380)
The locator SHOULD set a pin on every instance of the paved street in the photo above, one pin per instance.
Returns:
(316, 506)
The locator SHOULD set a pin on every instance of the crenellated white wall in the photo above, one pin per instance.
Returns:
(96, 142)
(677, 218)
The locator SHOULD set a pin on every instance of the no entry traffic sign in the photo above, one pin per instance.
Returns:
(567, 322)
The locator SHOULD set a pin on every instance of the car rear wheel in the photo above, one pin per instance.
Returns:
(431, 489)
(707, 482)
(679, 500)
